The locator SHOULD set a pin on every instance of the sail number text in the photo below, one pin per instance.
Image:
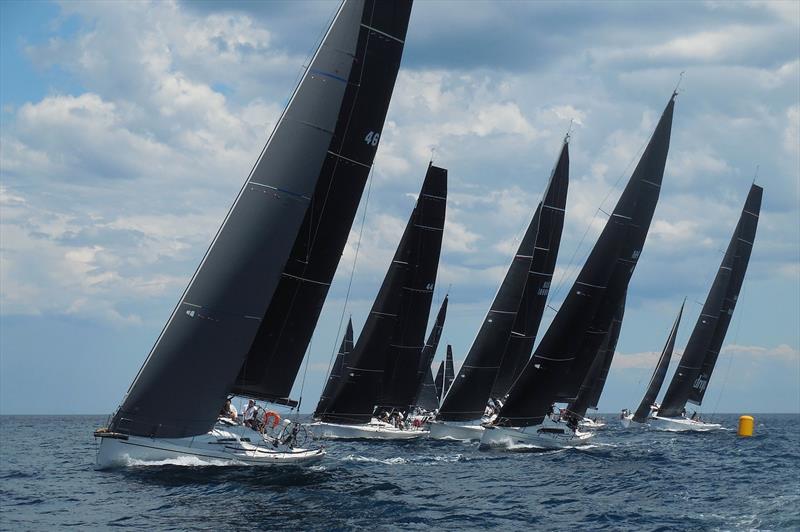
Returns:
(372, 138)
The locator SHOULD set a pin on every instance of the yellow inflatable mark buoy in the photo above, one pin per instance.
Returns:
(745, 426)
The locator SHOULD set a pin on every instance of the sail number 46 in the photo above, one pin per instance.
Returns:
(372, 138)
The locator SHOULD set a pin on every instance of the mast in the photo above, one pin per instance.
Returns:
(393, 335)
(336, 371)
(592, 387)
(425, 386)
(566, 352)
(643, 412)
(697, 362)
(466, 400)
(548, 222)
(193, 365)
(354, 132)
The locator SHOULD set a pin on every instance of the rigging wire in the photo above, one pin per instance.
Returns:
(353, 269)
(740, 318)
(561, 281)
(305, 372)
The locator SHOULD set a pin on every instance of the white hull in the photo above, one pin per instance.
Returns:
(681, 424)
(548, 435)
(236, 446)
(625, 421)
(591, 424)
(374, 430)
(452, 430)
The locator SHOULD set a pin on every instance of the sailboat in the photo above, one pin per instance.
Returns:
(592, 387)
(690, 381)
(379, 380)
(426, 400)
(527, 282)
(564, 356)
(648, 403)
(245, 320)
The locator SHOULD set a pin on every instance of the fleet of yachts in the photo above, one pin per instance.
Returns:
(243, 324)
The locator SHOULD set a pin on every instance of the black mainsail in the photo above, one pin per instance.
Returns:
(336, 371)
(548, 222)
(426, 389)
(276, 353)
(193, 365)
(467, 397)
(697, 362)
(393, 335)
(566, 352)
(643, 412)
(592, 387)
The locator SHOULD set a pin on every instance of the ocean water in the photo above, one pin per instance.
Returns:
(635, 479)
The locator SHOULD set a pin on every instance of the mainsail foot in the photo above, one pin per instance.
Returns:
(548, 434)
(225, 444)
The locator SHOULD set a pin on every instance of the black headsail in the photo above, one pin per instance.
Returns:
(426, 398)
(195, 361)
(467, 397)
(697, 362)
(426, 392)
(395, 328)
(439, 382)
(592, 387)
(445, 375)
(642, 413)
(548, 222)
(283, 336)
(449, 370)
(336, 371)
(566, 352)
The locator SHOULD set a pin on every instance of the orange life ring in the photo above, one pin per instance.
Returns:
(271, 418)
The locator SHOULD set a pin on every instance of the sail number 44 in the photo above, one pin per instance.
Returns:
(372, 138)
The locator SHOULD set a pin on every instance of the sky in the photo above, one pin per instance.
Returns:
(127, 128)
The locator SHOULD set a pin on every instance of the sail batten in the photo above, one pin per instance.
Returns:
(576, 334)
(700, 356)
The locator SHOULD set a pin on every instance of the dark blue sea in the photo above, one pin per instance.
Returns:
(624, 480)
